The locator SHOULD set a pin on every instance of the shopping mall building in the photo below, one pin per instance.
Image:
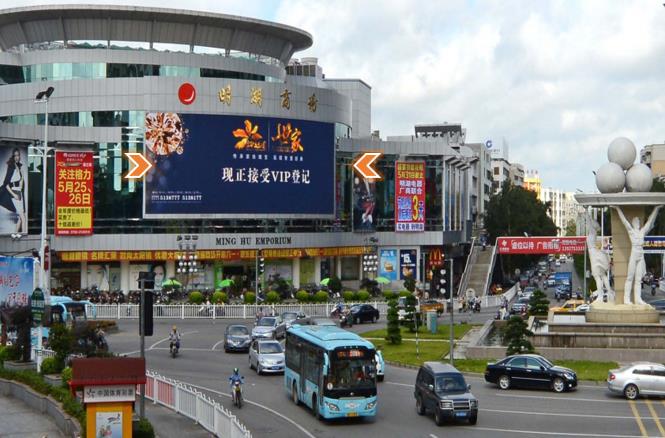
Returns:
(251, 149)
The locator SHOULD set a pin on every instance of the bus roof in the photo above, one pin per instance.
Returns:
(329, 337)
(55, 299)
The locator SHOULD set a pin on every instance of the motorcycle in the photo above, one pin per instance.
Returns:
(173, 348)
(237, 394)
(345, 320)
(476, 307)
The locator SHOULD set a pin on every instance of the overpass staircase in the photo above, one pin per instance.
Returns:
(478, 271)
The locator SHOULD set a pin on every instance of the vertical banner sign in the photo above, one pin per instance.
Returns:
(73, 193)
(407, 263)
(13, 190)
(388, 264)
(409, 196)
(16, 283)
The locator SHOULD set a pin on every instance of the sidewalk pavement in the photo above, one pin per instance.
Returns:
(168, 424)
(19, 420)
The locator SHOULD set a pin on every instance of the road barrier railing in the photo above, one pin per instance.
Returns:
(193, 404)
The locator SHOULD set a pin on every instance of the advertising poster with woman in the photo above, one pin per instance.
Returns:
(364, 205)
(14, 190)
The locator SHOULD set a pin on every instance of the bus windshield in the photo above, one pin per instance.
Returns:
(349, 372)
(76, 311)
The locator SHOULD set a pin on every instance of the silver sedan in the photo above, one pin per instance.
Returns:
(639, 378)
(266, 357)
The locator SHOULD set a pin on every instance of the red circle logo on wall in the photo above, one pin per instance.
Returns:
(187, 93)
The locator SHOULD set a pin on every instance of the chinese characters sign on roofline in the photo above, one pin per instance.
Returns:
(541, 245)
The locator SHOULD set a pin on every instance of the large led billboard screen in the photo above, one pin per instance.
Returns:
(238, 166)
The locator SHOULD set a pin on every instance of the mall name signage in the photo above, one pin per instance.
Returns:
(250, 241)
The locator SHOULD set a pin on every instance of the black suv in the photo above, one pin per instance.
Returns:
(441, 389)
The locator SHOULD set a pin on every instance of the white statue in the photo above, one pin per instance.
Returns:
(636, 265)
(600, 262)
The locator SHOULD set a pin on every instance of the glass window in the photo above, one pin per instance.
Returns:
(11, 74)
(532, 364)
(270, 348)
(518, 362)
(238, 331)
(642, 371)
(352, 373)
(450, 382)
(267, 322)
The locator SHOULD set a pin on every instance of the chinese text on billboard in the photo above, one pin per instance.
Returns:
(409, 196)
(73, 193)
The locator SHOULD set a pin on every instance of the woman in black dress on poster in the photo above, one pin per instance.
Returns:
(12, 196)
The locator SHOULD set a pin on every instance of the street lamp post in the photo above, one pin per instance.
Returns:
(187, 259)
(43, 97)
(442, 280)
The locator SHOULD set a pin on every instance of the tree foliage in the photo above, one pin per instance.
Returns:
(515, 335)
(394, 334)
(538, 303)
(410, 283)
(411, 317)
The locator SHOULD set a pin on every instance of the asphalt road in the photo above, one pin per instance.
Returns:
(588, 412)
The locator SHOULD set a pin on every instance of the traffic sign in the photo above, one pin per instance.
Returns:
(140, 163)
(364, 165)
(37, 305)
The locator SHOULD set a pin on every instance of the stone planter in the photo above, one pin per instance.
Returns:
(20, 366)
(53, 379)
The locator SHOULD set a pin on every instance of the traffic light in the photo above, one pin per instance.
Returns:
(147, 328)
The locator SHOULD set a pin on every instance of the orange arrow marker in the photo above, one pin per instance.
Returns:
(364, 165)
(140, 163)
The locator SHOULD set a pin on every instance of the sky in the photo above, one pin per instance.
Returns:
(557, 80)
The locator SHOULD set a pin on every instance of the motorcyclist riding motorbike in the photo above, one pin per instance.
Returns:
(174, 338)
(236, 380)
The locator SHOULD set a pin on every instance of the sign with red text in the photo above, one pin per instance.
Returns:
(73, 193)
(541, 245)
(409, 196)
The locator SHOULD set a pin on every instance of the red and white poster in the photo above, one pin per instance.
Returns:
(73, 193)
(541, 245)
(409, 196)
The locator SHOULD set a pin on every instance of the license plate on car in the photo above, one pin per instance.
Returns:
(460, 414)
(352, 414)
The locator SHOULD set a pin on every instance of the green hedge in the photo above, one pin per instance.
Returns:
(273, 297)
(50, 366)
(321, 297)
(389, 295)
(362, 295)
(302, 296)
(143, 429)
(219, 297)
(250, 298)
(196, 297)
(348, 296)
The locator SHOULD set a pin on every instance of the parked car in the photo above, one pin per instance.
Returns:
(644, 378)
(442, 390)
(311, 320)
(380, 366)
(568, 306)
(431, 306)
(364, 313)
(266, 357)
(236, 338)
(267, 328)
(519, 306)
(530, 371)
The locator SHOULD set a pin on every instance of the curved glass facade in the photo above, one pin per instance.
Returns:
(61, 71)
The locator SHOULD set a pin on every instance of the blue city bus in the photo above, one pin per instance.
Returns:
(64, 310)
(331, 370)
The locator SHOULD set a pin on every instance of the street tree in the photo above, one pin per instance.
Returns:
(411, 316)
(538, 303)
(515, 335)
(393, 332)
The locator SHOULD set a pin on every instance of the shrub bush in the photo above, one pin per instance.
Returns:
(143, 429)
(302, 296)
(3, 353)
(50, 366)
(195, 297)
(321, 297)
(404, 293)
(273, 297)
(219, 297)
(335, 285)
(250, 298)
(61, 340)
(66, 375)
(362, 295)
(348, 296)
(388, 295)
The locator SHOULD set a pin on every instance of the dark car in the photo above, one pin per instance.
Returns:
(519, 306)
(442, 390)
(562, 292)
(364, 313)
(530, 371)
(236, 338)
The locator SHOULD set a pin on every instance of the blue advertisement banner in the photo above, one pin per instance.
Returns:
(654, 245)
(16, 282)
(388, 264)
(407, 263)
(238, 166)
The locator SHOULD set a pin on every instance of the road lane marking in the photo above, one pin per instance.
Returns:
(654, 415)
(564, 399)
(215, 346)
(638, 419)
(166, 339)
(538, 432)
(282, 416)
(557, 414)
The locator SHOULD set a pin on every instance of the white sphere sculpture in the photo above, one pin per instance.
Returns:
(622, 152)
(610, 178)
(639, 178)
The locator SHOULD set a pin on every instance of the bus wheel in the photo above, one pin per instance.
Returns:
(294, 394)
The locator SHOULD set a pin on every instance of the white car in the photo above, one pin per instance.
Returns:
(637, 378)
(582, 308)
(266, 357)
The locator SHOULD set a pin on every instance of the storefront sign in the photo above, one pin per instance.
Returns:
(225, 166)
(37, 304)
(109, 393)
(388, 264)
(213, 254)
(654, 245)
(541, 245)
(409, 196)
(407, 263)
(73, 193)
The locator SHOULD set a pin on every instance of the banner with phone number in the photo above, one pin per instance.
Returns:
(409, 196)
(74, 182)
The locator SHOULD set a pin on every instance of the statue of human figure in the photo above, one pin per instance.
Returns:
(636, 265)
(600, 262)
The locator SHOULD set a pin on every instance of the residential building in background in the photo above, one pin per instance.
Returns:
(517, 174)
(563, 207)
(532, 181)
(653, 155)
(481, 179)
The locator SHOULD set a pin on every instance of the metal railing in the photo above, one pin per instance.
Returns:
(215, 311)
(489, 271)
(470, 261)
(496, 300)
(191, 403)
